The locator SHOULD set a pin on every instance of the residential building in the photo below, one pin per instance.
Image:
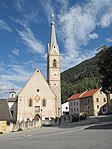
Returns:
(93, 102)
(74, 104)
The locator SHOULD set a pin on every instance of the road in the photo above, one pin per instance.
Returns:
(82, 137)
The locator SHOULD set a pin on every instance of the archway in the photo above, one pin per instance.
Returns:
(37, 117)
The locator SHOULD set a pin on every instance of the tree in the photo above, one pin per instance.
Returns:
(105, 69)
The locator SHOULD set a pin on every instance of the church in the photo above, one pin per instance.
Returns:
(40, 99)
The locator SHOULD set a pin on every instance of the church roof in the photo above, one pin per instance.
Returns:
(4, 111)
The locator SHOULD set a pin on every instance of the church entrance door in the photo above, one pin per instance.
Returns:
(37, 117)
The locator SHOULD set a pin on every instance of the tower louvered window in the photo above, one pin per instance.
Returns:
(54, 63)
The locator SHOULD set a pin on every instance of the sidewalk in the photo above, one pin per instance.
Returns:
(88, 121)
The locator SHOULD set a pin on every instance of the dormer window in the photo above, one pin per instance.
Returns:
(54, 63)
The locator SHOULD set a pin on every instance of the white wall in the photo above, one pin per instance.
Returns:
(65, 107)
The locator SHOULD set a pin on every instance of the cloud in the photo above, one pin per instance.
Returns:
(30, 41)
(77, 27)
(48, 8)
(15, 52)
(17, 75)
(11, 75)
(93, 36)
(106, 20)
(26, 10)
(109, 39)
(5, 26)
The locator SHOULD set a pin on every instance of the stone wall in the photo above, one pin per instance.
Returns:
(26, 125)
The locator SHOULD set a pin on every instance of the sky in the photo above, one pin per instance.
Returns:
(82, 26)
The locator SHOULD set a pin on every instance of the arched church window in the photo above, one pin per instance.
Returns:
(30, 103)
(12, 95)
(44, 103)
(54, 63)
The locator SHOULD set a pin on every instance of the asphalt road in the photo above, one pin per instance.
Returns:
(59, 138)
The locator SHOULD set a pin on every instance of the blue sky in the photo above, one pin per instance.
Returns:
(81, 27)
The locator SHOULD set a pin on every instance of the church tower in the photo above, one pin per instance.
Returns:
(53, 67)
(12, 93)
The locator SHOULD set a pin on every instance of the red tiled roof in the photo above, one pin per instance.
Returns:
(83, 94)
(75, 96)
(89, 93)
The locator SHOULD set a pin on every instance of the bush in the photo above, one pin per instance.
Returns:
(20, 129)
(1, 132)
(75, 118)
(83, 116)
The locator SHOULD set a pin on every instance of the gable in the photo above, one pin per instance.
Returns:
(37, 85)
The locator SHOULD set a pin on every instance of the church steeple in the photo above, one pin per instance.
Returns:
(53, 42)
(12, 93)
(53, 67)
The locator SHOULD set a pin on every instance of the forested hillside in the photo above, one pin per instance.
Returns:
(82, 77)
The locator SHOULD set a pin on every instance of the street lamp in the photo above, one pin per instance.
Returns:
(59, 119)
(41, 118)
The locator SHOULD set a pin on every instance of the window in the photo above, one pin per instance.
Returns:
(37, 90)
(74, 103)
(104, 99)
(12, 113)
(37, 109)
(100, 92)
(77, 102)
(47, 118)
(12, 95)
(97, 106)
(71, 103)
(97, 100)
(44, 103)
(30, 103)
(66, 108)
(54, 63)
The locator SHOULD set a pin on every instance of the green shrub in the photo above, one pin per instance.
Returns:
(1, 132)
(20, 129)
(83, 116)
(75, 118)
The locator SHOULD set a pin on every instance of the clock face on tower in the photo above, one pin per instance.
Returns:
(54, 74)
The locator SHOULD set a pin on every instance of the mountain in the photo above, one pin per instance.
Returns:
(84, 76)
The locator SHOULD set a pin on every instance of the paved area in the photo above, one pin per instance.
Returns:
(59, 138)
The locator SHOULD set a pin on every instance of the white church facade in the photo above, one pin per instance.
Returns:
(41, 99)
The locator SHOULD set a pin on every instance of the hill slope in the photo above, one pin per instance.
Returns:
(84, 76)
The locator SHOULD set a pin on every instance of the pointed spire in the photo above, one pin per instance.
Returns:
(52, 22)
(53, 34)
